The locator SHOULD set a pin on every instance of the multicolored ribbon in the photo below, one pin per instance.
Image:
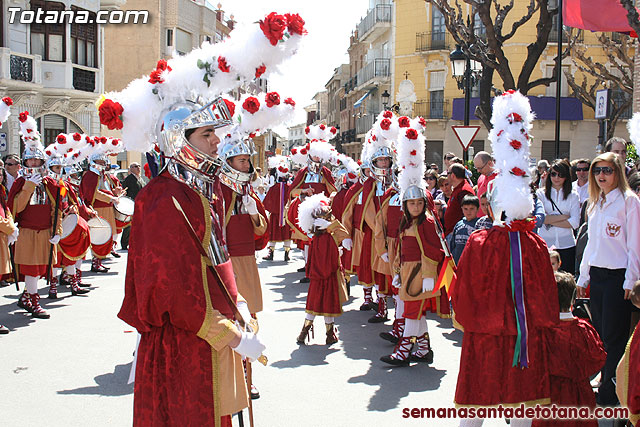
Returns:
(283, 188)
(520, 355)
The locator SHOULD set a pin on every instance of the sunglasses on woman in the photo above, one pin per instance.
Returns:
(604, 169)
(556, 174)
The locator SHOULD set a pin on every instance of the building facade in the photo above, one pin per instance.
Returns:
(55, 71)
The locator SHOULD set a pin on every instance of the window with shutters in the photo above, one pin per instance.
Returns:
(433, 153)
(183, 42)
(84, 42)
(436, 80)
(564, 89)
(549, 150)
(48, 40)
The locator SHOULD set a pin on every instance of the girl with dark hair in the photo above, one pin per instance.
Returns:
(562, 213)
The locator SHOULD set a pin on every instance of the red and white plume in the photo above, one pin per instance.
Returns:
(29, 131)
(300, 155)
(250, 52)
(310, 209)
(410, 149)
(5, 110)
(319, 145)
(512, 122)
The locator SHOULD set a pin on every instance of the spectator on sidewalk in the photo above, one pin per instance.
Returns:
(465, 226)
(133, 183)
(461, 188)
(431, 177)
(486, 221)
(581, 185)
(562, 213)
(484, 164)
(12, 167)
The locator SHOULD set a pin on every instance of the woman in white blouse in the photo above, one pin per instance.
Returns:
(611, 261)
(562, 213)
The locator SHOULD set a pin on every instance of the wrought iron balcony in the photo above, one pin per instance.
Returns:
(84, 80)
(21, 68)
(430, 40)
(380, 67)
(431, 109)
(379, 14)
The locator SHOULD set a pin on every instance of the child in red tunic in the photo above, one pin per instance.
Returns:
(575, 353)
(327, 290)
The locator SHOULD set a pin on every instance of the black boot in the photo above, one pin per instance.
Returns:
(270, 256)
(286, 255)
(304, 334)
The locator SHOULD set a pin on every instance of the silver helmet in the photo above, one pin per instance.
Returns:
(182, 117)
(55, 160)
(382, 174)
(414, 192)
(236, 144)
(340, 176)
(96, 167)
(366, 164)
(69, 171)
(31, 152)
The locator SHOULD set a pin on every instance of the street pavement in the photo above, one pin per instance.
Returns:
(72, 369)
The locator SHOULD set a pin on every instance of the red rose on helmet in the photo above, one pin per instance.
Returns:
(516, 144)
(333, 130)
(295, 24)
(273, 27)
(7, 101)
(412, 134)
(251, 104)
(423, 122)
(23, 116)
(230, 106)
(322, 127)
(272, 98)
(307, 129)
(48, 152)
(403, 122)
(77, 136)
(294, 150)
(387, 114)
(114, 142)
(373, 138)
(290, 101)
(103, 139)
(61, 139)
(413, 152)
(260, 71)
(222, 64)
(385, 124)
(111, 114)
(514, 117)
(303, 151)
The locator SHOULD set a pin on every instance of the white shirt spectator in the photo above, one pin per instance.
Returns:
(613, 237)
(559, 237)
(10, 181)
(583, 192)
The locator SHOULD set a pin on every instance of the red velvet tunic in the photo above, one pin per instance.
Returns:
(628, 377)
(75, 246)
(337, 209)
(275, 202)
(323, 270)
(89, 188)
(180, 367)
(483, 306)
(364, 268)
(575, 353)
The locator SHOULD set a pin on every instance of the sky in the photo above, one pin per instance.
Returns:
(329, 24)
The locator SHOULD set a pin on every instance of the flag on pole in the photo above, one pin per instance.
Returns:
(596, 15)
(447, 276)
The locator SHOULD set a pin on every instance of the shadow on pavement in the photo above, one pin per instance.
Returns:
(112, 384)
(308, 355)
(14, 317)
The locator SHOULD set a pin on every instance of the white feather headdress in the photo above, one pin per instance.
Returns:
(410, 148)
(5, 110)
(512, 121)
(209, 71)
(29, 131)
(310, 209)
(633, 126)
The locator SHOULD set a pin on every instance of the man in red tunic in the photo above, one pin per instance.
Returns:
(189, 365)
(275, 202)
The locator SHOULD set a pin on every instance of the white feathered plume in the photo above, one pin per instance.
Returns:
(633, 126)
(310, 209)
(410, 149)
(512, 121)
(5, 110)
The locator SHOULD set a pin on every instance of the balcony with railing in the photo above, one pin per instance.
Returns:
(377, 21)
(351, 84)
(430, 41)
(373, 73)
(431, 109)
(365, 122)
(20, 66)
(569, 34)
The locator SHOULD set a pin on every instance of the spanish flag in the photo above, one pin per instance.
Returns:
(447, 276)
(63, 188)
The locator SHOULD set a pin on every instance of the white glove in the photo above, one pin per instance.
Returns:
(396, 281)
(428, 284)
(385, 257)
(321, 223)
(250, 346)
(243, 308)
(347, 244)
(36, 179)
(13, 237)
(250, 203)
(55, 239)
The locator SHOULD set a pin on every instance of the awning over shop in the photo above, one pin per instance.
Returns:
(543, 106)
(359, 101)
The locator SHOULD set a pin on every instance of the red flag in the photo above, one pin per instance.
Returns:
(596, 15)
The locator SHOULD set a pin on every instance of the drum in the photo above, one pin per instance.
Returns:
(99, 231)
(75, 239)
(68, 225)
(123, 207)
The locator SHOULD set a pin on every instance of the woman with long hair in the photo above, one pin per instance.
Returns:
(611, 261)
(562, 213)
(431, 178)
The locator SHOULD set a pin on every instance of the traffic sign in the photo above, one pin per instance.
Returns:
(465, 135)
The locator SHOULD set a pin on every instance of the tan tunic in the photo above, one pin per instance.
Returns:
(7, 227)
(339, 233)
(246, 271)
(356, 234)
(32, 246)
(412, 291)
(383, 244)
(107, 213)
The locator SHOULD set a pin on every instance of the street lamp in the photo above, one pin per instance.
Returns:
(385, 99)
(465, 71)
